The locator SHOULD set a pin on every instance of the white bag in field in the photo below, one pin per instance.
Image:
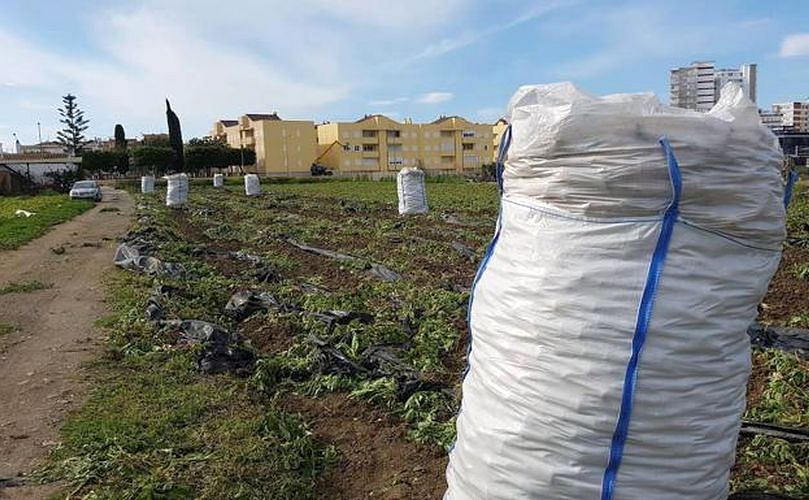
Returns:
(218, 180)
(252, 185)
(176, 190)
(147, 184)
(608, 355)
(412, 194)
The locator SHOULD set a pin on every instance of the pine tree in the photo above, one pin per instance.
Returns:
(71, 136)
(120, 137)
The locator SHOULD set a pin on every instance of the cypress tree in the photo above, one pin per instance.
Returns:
(120, 137)
(175, 139)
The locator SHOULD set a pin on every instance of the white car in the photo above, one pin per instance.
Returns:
(85, 190)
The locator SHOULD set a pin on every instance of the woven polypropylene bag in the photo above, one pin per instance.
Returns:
(608, 354)
(411, 191)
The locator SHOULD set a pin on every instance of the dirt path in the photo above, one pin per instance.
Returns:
(40, 376)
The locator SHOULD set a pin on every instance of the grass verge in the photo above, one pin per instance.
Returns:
(154, 427)
(48, 209)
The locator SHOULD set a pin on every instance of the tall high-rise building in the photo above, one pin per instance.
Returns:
(699, 85)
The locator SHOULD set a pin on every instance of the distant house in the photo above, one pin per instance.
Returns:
(47, 147)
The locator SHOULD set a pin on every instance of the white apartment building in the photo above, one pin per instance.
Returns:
(770, 119)
(699, 85)
(793, 114)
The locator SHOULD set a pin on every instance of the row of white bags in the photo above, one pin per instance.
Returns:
(177, 186)
(409, 181)
(608, 354)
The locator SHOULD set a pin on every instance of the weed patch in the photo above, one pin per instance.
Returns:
(24, 287)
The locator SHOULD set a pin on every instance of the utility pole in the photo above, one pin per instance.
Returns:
(241, 150)
(39, 133)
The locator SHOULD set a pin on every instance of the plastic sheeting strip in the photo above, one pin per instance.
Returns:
(642, 325)
(792, 178)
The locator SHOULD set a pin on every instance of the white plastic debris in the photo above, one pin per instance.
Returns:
(147, 184)
(412, 194)
(218, 180)
(176, 190)
(252, 185)
(23, 213)
(609, 355)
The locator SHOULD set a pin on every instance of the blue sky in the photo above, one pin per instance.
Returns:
(338, 59)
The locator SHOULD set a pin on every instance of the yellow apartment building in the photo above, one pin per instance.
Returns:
(453, 144)
(498, 128)
(283, 147)
(376, 143)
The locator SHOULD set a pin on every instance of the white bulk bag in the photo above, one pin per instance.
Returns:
(252, 185)
(147, 184)
(176, 190)
(218, 180)
(412, 194)
(608, 355)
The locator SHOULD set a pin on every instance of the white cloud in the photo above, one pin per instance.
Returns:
(470, 37)
(795, 45)
(490, 114)
(435, 97)
(636, 33)
(213, 60)
(388, 102)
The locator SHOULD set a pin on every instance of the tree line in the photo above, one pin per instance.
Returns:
(201, 156)
(158, 155)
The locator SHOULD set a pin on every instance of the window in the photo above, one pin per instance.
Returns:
(369, 133)
(469, 133)
(366, 148)
(394, 134)
(447, 146)
(395, 147)
(446, 133)
(468, 146)
(357, 148)
(370, 162)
